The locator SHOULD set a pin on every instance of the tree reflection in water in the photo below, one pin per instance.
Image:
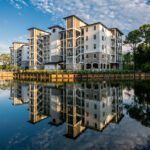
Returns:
(141, 108)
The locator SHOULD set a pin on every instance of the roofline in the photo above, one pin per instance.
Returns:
(23, 46)
(32, 28)
(20, 42)
(104, 26)
(56, 26)
(117, 30)
(95, 24)
(75, 17)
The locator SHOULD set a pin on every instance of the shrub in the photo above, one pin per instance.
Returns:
(146, 67)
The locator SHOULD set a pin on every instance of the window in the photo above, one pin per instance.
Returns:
(53, 30)
(95, 27)
(108, 66)
(95, 96)
(88, 66)
(95, 66)
(82, 56)
(94, 55)
(87, 104)
(103, 38)
(95, 125)
(86, 38)
(95, 116)
(103, 105)
(82, 31)
(87, 56)
(82, 94)
(94, 36)
(102, 46)
(94, 46)
(95, 106)
(86, 47)
(96, 86)
(88, 86)
(86, 29)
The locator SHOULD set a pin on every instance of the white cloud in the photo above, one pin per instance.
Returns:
(124, 14)
(18, 3)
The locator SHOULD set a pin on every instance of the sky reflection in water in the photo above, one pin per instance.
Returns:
(96, 115)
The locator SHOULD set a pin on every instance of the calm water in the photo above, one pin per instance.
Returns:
(93, 115)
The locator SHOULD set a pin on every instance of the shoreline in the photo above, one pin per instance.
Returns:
(71, 77)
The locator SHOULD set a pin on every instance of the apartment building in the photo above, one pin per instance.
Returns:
(38, 48)
(102, 47)
(19, 52)
(74, 43)
(57, 48)
(78, 105)
(78, 46)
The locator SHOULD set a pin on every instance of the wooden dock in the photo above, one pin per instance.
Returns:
(45, 77)
(6, 75)
(71, 77)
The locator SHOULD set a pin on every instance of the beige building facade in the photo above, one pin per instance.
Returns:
(79, 46)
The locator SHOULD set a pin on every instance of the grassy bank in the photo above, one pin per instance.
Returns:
(78, 71)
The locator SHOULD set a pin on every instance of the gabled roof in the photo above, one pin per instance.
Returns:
(117, 30)
(38, 29)
(56, 26)
(18, 42)
(92, 24)
(75, 17)
(103, 26)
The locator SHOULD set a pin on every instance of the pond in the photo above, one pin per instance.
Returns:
(105, 115)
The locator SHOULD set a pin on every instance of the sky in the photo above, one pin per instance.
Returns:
(16, 16)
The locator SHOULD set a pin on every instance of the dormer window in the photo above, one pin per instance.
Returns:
(54, 30)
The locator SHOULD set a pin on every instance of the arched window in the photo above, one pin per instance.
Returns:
(88, 66)
(95, 66)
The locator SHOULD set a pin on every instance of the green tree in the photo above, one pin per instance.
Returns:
(133, 39)
(5, 59)
(145, 34)
(128, 61)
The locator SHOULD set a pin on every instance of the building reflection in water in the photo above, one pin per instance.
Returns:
(80, 105)
(19, 93)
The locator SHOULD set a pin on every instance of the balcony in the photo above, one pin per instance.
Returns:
(112, 60)
(70, 43)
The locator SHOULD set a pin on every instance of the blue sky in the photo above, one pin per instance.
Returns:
(19, 15)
